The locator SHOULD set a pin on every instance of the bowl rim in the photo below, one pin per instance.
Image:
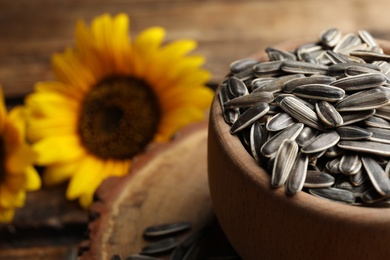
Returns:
(256, 174)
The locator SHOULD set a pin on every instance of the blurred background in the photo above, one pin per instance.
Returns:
(31, 31)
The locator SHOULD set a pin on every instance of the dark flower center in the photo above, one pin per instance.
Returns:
(118, 118)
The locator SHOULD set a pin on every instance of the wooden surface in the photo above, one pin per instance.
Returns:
(166, 185)
(50, 227)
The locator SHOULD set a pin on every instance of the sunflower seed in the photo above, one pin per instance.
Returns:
(356, 116)
(353, 133)
(359, 178)
(284, 161)
(372, 196)
(320, 92)
(306, 135)
(336, 58)
(260, 83)
(367, 38)
(346, 42)
(378, 122)
(277, 84)
(289, 86)
(350, 164)
(257, 139)
(279, 97)
(330, 37)
(333, 151)
(236, 87)
(249, 100)
(267, 68)
(359, 70)
(249, 116)
(279, 122)
(340, 68)
(166, 229)
(159, 246)
(370, 147)
(359, 82)
(277, 54)
(241, 65)
(317, 179)
(299, 111)
(370, 56)
(333, 166)
(377, 175)
(271, 146)
(321, 142)
(303, 67)
(229, 115)
(383, 112)
(334, 194)
(307, 48)
(328, 114)
(364, 100)
(379, 135)
(297, 175)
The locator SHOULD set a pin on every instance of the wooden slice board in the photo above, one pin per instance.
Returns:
(166, 184)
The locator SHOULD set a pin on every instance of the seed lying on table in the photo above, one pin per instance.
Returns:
(317, 117)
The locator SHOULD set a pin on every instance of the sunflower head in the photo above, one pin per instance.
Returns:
(17, 174)
(113, 96)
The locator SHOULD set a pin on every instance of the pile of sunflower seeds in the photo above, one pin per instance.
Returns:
(317, 118)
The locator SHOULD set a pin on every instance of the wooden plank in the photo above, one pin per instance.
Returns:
(226, 30)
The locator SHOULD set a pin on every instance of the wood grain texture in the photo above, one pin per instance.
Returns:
(280, 226)
(226, 30)
(168, 184)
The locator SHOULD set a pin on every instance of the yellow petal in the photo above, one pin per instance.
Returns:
(18, 118)
(200, 97)
(22, 157)
(176, 119)
(9, 199)
(86, 177)
(57, 149)
(59, 172)
(145, 46)
(85, 200)
(59, 88)
(33, 181)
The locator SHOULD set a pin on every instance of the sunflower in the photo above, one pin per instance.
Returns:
(113, 96)
(17, 174)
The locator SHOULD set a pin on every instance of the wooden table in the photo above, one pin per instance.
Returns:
(49, 227)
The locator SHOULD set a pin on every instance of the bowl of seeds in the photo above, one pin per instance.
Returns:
(299, 149)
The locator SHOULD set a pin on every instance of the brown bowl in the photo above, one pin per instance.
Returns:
(265, 223)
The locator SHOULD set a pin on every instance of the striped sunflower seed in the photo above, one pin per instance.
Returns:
(364, 100)
(271, 146)
(319, 92)
(377, 175)
(249, 116)
(275, 54)
(334, 194)
(321, 142)
(236, 87)
(317, 179)
(279, 122)
(299, 111)
(303, 67)
(249, 100)
(330, 37)
(350, 164)
(370, 147)
(379, 135)
(378, 122)
(284, 161)
(241, 65)
(359, 82)
(328, 114)
(354, 133)
(289, 86)
(298, 173)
